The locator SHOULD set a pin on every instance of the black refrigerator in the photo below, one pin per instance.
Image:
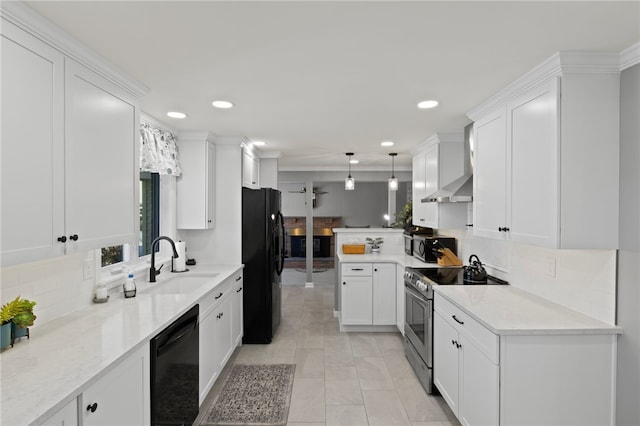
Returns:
(263, 259)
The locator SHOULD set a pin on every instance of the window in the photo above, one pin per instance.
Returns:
(149, 211)
(149, 221)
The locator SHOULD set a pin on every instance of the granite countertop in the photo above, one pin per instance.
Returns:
(508, 310)
(65, 356)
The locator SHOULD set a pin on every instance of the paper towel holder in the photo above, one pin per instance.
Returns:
(173, 270)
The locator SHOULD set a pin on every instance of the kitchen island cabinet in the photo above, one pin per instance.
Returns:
(66, 416)
(368, 295)
(504, 356)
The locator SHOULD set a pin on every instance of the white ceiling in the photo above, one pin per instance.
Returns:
(318, 79)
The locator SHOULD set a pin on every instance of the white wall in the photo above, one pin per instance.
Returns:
(628, 378)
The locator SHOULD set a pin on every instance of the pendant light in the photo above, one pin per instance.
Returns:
(349, 182)
(393, 182)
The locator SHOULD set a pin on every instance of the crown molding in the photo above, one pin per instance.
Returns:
(197, 136)
(558, 64)
(630, 56)
(21, 15)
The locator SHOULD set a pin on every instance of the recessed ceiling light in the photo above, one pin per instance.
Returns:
(176, 114)
(386, 143)
(428, 104)
(222, 104)
(354, 161)
(259, 143)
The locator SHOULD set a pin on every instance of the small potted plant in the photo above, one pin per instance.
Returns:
(19, 313)
(375, 243)
(6, 324)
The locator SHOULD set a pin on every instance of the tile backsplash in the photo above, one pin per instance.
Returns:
(58, 285)
(582, 280)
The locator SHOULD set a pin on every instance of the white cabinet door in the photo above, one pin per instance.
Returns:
(66, 416)
(445, 361)
(431, 184)
(419, 190)
(250, 169)
(101, 170)
(224, 344)
(195, 188)
(121, 397)
(356, 300)
(32, 148)
(490, 175)
(208, 368)
(534, 168)
(237, 315)
(384, 293)
(479, 386)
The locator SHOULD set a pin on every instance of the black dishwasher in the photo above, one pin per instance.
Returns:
(174, 372)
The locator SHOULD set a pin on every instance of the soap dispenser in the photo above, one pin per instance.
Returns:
(129, 286)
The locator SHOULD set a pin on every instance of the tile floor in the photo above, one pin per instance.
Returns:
(343, 378)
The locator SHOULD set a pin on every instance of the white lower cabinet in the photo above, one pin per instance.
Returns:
(546, 378)
(464, 373)
(236, 309)
(220, 330)
(368, 294)
(66, 416)
(121, 396)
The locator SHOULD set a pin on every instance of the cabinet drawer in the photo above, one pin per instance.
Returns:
(486, 341)
(356, 269)
(213, 299)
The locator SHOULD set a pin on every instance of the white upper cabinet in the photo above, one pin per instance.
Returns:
(196, 186)
(437, 162)
(101, 169)
(547, 156)
(32, 148)
(69, 154)
(250, 169)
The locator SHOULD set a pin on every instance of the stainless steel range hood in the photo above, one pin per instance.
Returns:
(461, 189)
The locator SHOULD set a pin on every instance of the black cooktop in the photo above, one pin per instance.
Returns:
(451, 276)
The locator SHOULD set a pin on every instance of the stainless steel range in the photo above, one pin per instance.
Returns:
(418, 327)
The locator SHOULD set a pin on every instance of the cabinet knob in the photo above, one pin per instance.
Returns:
(73, 237)
(92, 407)
(62, 239)
(344, 283)
(209, 220)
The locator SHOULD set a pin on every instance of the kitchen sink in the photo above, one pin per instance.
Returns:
(179, 284)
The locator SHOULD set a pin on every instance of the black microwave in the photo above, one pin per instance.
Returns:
(423, 246)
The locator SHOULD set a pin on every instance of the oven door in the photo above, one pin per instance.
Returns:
(418, 325)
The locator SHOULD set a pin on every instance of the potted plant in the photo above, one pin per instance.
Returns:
(375, 243)
(21, 316)
(404, 217)
(5, 326)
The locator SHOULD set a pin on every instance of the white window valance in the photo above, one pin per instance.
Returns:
(158, 151)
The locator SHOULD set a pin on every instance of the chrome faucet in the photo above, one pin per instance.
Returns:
(154, 244)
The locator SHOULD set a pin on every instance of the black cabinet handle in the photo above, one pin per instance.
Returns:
(92, 407)
(453, 342)
(238, 279)
(239, 290)
(457, 320)
(357, 269)
(219, 296)
(503, 229)
(73, 237)
(62, 239)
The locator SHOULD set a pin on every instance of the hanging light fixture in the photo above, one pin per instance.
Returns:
(349, 182)
(393, 182)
